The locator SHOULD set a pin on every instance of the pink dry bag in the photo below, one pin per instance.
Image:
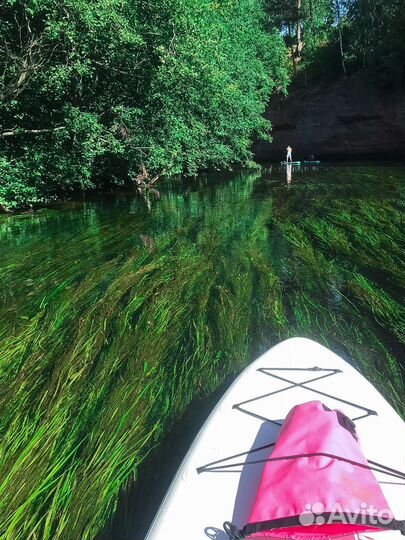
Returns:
(317, 484)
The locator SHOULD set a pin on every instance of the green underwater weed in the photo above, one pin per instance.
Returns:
(105, 338)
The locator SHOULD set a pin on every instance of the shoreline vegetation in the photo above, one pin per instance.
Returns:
(95, 92)
(92, 94)
(118, 317)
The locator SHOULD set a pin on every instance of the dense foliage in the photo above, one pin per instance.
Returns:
(91, 90)
(342, 36)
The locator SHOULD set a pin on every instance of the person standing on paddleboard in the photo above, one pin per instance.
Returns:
(289, 154)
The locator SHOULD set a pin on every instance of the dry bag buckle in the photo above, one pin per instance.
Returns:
(233, 532)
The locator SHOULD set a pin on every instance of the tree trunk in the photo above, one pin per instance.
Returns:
(342, 54)
(292, 50)
(13, 132)
(299, 37)
(311, 14)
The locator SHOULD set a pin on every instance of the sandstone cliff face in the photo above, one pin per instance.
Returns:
(335, 120)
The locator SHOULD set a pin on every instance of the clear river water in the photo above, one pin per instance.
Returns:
(119, 310)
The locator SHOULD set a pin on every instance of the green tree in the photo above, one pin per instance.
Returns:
(343, 36)
(305, 25)
(91, 91)
(376, 35)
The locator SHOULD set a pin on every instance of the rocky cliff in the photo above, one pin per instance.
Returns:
(347, 118)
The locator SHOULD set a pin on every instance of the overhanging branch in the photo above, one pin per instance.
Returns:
(16, 131)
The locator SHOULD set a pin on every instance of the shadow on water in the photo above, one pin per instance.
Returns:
(139, 503)
(138, 506)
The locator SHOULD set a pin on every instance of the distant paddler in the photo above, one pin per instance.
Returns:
(289, 154)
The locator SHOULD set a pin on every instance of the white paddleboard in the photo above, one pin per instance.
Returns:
(204, 494)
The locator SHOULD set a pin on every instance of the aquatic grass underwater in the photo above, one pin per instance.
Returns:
(105, 338)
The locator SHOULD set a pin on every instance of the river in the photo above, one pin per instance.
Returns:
(118, 310)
